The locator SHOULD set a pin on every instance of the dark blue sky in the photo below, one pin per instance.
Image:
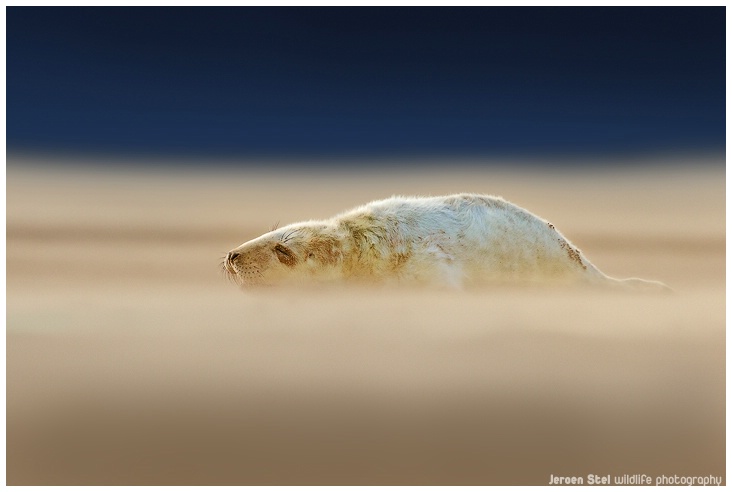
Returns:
(343, 81)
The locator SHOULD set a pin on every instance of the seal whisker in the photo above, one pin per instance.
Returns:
(288, 236)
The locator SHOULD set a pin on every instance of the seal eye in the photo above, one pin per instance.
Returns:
(285, 255)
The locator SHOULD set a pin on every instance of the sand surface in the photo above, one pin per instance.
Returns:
(131, 360)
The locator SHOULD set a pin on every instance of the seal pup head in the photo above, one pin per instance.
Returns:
(304, 252)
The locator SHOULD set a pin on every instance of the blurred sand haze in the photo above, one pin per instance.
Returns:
(131, 360)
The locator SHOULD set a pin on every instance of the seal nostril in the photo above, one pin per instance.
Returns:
(233, 256)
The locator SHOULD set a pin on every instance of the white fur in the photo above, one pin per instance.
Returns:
(455, 240)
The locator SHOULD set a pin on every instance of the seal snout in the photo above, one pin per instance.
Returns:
(229, 262)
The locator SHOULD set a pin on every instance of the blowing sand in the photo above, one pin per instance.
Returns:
(131, 360)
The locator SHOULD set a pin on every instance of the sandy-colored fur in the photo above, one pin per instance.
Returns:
(456, 240)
